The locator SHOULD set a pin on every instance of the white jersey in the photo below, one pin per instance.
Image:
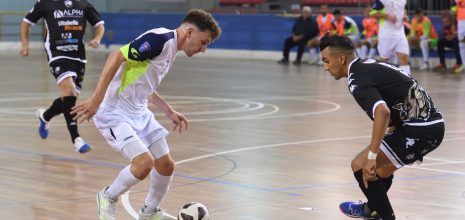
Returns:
(148, 59)
(388, 29)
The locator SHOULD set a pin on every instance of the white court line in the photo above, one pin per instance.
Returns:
(438, 170)
(127, 204)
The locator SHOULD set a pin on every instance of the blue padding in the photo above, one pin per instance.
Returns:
(247, 32)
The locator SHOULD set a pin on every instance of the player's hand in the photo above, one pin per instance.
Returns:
(85, 110)
(93, 43)
(369, 173)
(24, 51)
(179, 120)
(391, 18)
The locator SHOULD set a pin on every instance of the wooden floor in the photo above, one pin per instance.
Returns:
(265, 142)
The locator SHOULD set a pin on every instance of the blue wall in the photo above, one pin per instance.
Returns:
(249, 32)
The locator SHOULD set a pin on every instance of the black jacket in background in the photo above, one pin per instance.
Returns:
(308, 28)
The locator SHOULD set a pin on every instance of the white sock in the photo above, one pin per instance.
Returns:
(372, 53)
(405, 68)
(394, 59)
(159, 186)
(364, 51)
(462, 51)
(123, 182)
(424, 45)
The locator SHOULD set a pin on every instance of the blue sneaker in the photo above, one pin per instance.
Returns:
(358, 210)
(43, 125)
(81, 146)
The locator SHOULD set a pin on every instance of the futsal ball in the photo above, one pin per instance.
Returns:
(193, 211)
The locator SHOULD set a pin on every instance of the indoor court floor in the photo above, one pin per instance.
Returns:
(265, 142)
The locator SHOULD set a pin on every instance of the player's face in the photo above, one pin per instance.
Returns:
(196, 41)
(333, 63)
(446, 21)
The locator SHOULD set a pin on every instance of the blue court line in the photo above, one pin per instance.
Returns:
(239, 185)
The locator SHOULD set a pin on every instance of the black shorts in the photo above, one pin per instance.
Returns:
(63, 68)
(408, 144)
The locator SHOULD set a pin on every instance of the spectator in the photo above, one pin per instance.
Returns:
(324, 21)
(345, 26)
(304, 29)
(459, 9)
(449, 40)
(369, 34)
(423, 34)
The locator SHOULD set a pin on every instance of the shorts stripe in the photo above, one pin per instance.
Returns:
(65, 75)
(425, 123)
(391, 155)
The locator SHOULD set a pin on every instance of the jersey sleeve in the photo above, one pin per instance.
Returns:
(36, 13)
(377, 7)
(365, 93)
(146, 47)
(93, 16)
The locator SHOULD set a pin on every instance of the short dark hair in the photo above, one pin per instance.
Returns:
(418, 11)
(337, 12)
(338, 42)
(204, 21)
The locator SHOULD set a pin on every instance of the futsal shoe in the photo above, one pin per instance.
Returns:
(43, 125)
(147, 213)
(81, 146)
(358, 210)
(283, 61)
(106, 205)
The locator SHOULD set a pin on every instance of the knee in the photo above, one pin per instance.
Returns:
(356, 164)
(142, 165)
(68, 88)
(165, 165)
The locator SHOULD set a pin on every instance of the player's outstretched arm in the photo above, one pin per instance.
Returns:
(88, 108)
(178, 119)
(24, 39)
(98, 34)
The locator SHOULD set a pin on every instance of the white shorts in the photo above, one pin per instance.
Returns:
(119, 130)
(387, 46)
(461, 29)
(353, 37)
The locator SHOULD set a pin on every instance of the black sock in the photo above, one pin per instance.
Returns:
(387, 184)
(68, 102)
(54, 110)
(376, 195)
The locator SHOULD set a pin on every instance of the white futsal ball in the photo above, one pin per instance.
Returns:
(193, 211)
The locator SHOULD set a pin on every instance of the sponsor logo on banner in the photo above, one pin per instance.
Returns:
(68, 13)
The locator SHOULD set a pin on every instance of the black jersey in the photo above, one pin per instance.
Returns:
(66, 24)
(372, 82)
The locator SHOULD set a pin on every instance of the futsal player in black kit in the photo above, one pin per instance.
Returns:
(66, 23)
(406, 124)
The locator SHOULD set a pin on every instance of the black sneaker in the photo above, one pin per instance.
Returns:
(297, 62)
(284, 62)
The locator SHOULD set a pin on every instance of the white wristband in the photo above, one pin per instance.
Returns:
(371, 155)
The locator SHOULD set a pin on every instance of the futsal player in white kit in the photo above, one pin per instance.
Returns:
(391, 36)
(128, 82)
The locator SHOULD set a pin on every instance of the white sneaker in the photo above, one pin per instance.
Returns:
(320, 62)
(147, 213)
(424, 66)
(106, 205)
(313, 60)
(81, 146)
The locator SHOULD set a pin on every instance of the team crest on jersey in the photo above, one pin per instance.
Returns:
(68, 3)
(144, 47)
